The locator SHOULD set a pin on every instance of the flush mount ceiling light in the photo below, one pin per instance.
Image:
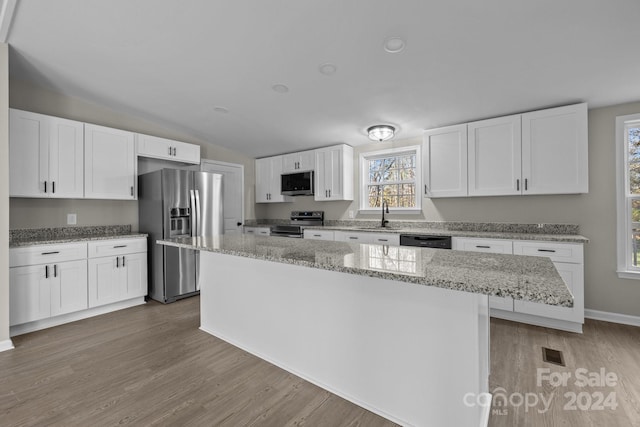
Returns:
(394, 44)
(381, 132)
(280, 88)
(327, 69)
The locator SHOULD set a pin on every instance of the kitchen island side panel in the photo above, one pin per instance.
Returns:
(407, 352)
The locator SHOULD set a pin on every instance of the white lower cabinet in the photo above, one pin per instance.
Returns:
(366, 237)
(312, 234)
(54, 284)
(120, 276)
(568, 258)
(258, 231)
(496, 246)
(43, 290)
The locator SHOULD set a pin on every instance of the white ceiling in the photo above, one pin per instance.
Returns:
(172, 62)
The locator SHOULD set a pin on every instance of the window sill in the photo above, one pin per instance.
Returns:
(391, 211)
(628, 274)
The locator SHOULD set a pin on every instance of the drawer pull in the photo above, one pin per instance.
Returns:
(483, 246)
(120, 246)
(383, 240)
(317, 235)
(50, 253)
(546, 250)
(353, 238)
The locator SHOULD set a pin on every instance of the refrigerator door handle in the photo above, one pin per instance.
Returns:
(194, 213)
(199, 212)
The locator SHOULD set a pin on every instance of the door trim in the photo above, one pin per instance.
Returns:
(205, 162)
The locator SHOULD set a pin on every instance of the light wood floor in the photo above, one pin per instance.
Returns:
(150, 365)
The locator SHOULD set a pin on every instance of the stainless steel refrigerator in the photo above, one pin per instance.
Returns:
(177, 203)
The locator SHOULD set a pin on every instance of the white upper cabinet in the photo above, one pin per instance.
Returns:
(46, 156)
(445, 161)
(299, 162)
(167, 149)
(494, 150)
(334, 173)
(110, 163)
(554, 151)
(268, 180)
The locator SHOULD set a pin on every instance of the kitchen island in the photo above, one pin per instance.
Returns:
(401, 331)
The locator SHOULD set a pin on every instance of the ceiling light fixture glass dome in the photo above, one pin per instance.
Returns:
(381, 132)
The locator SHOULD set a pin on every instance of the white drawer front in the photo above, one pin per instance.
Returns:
(385, 239)
(116, 247)
(495, 246)
(47, 254)
(558, 252)
(347, 236)
(258, 231)
(319, 234)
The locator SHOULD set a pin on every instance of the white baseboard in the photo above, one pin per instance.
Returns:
(6, 345)
(72, 317)
(624, 319)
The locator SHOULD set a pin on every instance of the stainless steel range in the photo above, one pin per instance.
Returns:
(297, 223)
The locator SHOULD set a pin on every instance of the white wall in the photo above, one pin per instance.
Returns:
(34, 213)
(4, 192)
(595, 212)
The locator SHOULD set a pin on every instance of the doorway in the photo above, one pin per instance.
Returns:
(232, 192)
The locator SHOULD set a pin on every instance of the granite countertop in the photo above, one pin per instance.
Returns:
(47, 236)
(521, 277)
(571, 238)
(486, 230)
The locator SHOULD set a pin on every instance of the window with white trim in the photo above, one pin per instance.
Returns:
(628, 162)
(392, 176)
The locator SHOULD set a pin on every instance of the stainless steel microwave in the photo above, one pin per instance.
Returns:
(297, 184)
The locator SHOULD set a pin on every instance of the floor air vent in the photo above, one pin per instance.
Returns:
(550, 355)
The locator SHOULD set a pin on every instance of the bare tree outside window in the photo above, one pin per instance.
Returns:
(392, 179)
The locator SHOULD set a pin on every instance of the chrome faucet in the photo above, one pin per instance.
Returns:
(384, 221)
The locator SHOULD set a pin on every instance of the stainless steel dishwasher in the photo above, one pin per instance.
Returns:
(425, 241)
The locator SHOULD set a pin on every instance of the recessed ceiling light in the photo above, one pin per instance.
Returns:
(327, 69)
(394, 44)
(280, 88)
(221, 110)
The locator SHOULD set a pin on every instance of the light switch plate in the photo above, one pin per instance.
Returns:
(72, 219)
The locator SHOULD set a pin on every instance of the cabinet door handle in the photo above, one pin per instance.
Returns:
(46, 271)
(425, 189)
(117, 262)
(123, 260)
(132, 190)
(329, 192)
(53, 186)
(174, 151)
(169, 150)
(517, 185)
(546, 250)
(45, 186)
(50, 253)
(526, 184)
(55, 270)
(483, 246)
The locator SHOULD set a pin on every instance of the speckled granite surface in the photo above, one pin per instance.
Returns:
(486, 230)
(521, 277)
(43, 236)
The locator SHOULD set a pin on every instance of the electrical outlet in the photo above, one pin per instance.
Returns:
(72, 219)
(352, 214)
